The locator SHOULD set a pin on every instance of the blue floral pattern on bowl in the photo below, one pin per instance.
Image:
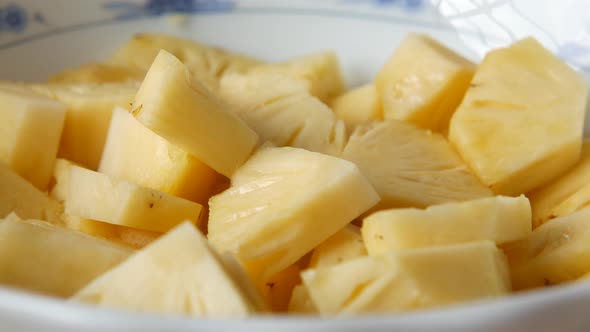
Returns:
(13, 18)
(126, 9)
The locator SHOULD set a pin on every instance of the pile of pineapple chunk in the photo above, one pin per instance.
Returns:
(179, 178)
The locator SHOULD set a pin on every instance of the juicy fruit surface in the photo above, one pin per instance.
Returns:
(38, 256)
(346, 244)
(424, 90)
(520, 123)
(499, 219)
(177, 274)
(183, 112)
(358, 106)
(282, 203)
(411, 167)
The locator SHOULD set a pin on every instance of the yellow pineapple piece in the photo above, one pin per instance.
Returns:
(357, 106)
(98, 73)
(409, 279)
(52, 260)
(344, 245)
(284, 202)
(423, 82)
(176, 274)
(555, 252)
(135, 153)
(411, 167)
(30, 129)
(301, 302)
(499, 219)
(520, 123)
(183, 112)
(95, 196)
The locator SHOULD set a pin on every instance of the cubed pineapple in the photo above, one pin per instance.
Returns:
(182, 111)
(346, 244)
(357, 106)
(176, 274)
(499, 219)
(411, 167)
(423, 82)
(284, 202)
(95, 196)
(556, 252)
(520, 123)
(30, 129)
(98, 73)
(135, 153)
(410, 279)
(52, 260)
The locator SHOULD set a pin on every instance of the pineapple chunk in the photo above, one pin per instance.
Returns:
(134, 153)
(346, 244)
(97, 73)
(320, 71)
(500, 219)
(280, 110)
(284, 202)
(410, 279)
(184, 113)
(301, 302)
(41, 257)
(423, 83)
(556, 198)
(411, 167)
(357, 106)
(520, 123)
(95, 196)
(19, 196)
(556, 252)
(30, 129)
(176, 274)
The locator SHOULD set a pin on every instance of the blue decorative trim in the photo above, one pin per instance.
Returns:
(126, 9)
(13, 18)
(410, 5)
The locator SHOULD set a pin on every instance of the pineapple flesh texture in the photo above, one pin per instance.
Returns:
(97, 73)
(499, 219)
(423, 83)
(548, 200)
(52, 260)
(30, 129)
(135, 153)
(411, 167)
(96, 196)
(520, 123)
(557, 251)
(357, 106)
(284, 202)
(321, 73)
(345, 245)
(281, 111)
(301, 302)
(21, 197)
(182, 111)
(177, 274)
(409, 279)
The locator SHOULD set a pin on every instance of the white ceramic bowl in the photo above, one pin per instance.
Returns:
(41, 37)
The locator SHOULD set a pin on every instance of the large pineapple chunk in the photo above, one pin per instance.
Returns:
(423, 82)
(137, 154)
(280, 110)
(410, 279)
(557, 251)
(183, 112)
(284, 202)
(411, 167)
(41, 257)
(320, 71)
(98, 73)
(556, 198)
(346, 244)
(520, 123)
(357, 106)
(95, 196)
(30, 128)
(500, 219)
(177, 274)
(19, 196)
